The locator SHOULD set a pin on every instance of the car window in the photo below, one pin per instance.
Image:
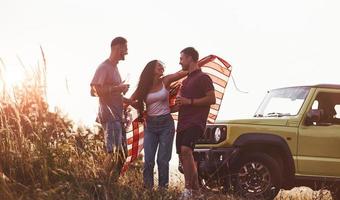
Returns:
(337, 109)
(329, 105)
(315, 104)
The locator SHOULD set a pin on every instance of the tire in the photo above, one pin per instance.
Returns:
(256, 176)
(214, 184)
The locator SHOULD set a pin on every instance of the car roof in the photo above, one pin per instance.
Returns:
(332, 86)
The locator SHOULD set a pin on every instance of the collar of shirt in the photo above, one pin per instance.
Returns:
(194, 72)
(112, 63)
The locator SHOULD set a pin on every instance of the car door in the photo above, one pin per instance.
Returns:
(319, 143)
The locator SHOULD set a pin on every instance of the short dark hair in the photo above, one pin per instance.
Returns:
(191, 51)
(118, 40)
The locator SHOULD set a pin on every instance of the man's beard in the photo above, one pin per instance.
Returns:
(185, 67)
(122, 57)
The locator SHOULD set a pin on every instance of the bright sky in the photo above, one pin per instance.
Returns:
(269, 43)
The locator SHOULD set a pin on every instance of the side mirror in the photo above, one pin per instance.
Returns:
(313, 116)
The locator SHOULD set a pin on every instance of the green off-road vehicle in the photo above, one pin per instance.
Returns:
(294, 135)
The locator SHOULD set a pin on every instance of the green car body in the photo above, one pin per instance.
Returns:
(289, 132)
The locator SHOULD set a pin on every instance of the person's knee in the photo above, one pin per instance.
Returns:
(108, 128)
(185, 151)
(162, 162)
(117, 134)
(149, 164)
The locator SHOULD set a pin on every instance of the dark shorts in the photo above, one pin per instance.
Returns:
(188, 138)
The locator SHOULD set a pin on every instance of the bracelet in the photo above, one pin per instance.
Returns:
(192, 101)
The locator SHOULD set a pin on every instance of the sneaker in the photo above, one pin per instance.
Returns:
(186, 195)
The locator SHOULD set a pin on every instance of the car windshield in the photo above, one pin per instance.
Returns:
(282, 102)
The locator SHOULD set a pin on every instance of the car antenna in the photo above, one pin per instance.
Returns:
(234, 82)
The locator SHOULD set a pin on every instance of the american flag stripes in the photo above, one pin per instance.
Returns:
(219, 71)
(134, 128)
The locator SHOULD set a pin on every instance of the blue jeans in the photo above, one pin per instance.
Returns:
(113, 135)
(159, 133)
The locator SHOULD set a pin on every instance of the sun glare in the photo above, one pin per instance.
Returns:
(12, 76)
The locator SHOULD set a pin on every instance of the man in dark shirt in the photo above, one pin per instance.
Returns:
(108, 86)
(196, 96)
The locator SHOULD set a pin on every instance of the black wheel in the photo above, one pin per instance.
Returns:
(256, 176)
(211, 184)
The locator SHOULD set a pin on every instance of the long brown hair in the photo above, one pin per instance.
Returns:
(145, 84)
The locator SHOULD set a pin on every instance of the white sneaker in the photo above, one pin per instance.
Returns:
(186, 194)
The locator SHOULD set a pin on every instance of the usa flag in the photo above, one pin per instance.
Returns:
(219, 71)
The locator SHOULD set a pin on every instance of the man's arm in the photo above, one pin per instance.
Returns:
(207, 100)
(167, 80)
(102, 90)
(130, 101)
(206, 85)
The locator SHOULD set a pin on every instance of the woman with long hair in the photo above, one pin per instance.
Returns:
(152, 93)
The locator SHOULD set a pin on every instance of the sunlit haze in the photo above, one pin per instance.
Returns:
(269, 44)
